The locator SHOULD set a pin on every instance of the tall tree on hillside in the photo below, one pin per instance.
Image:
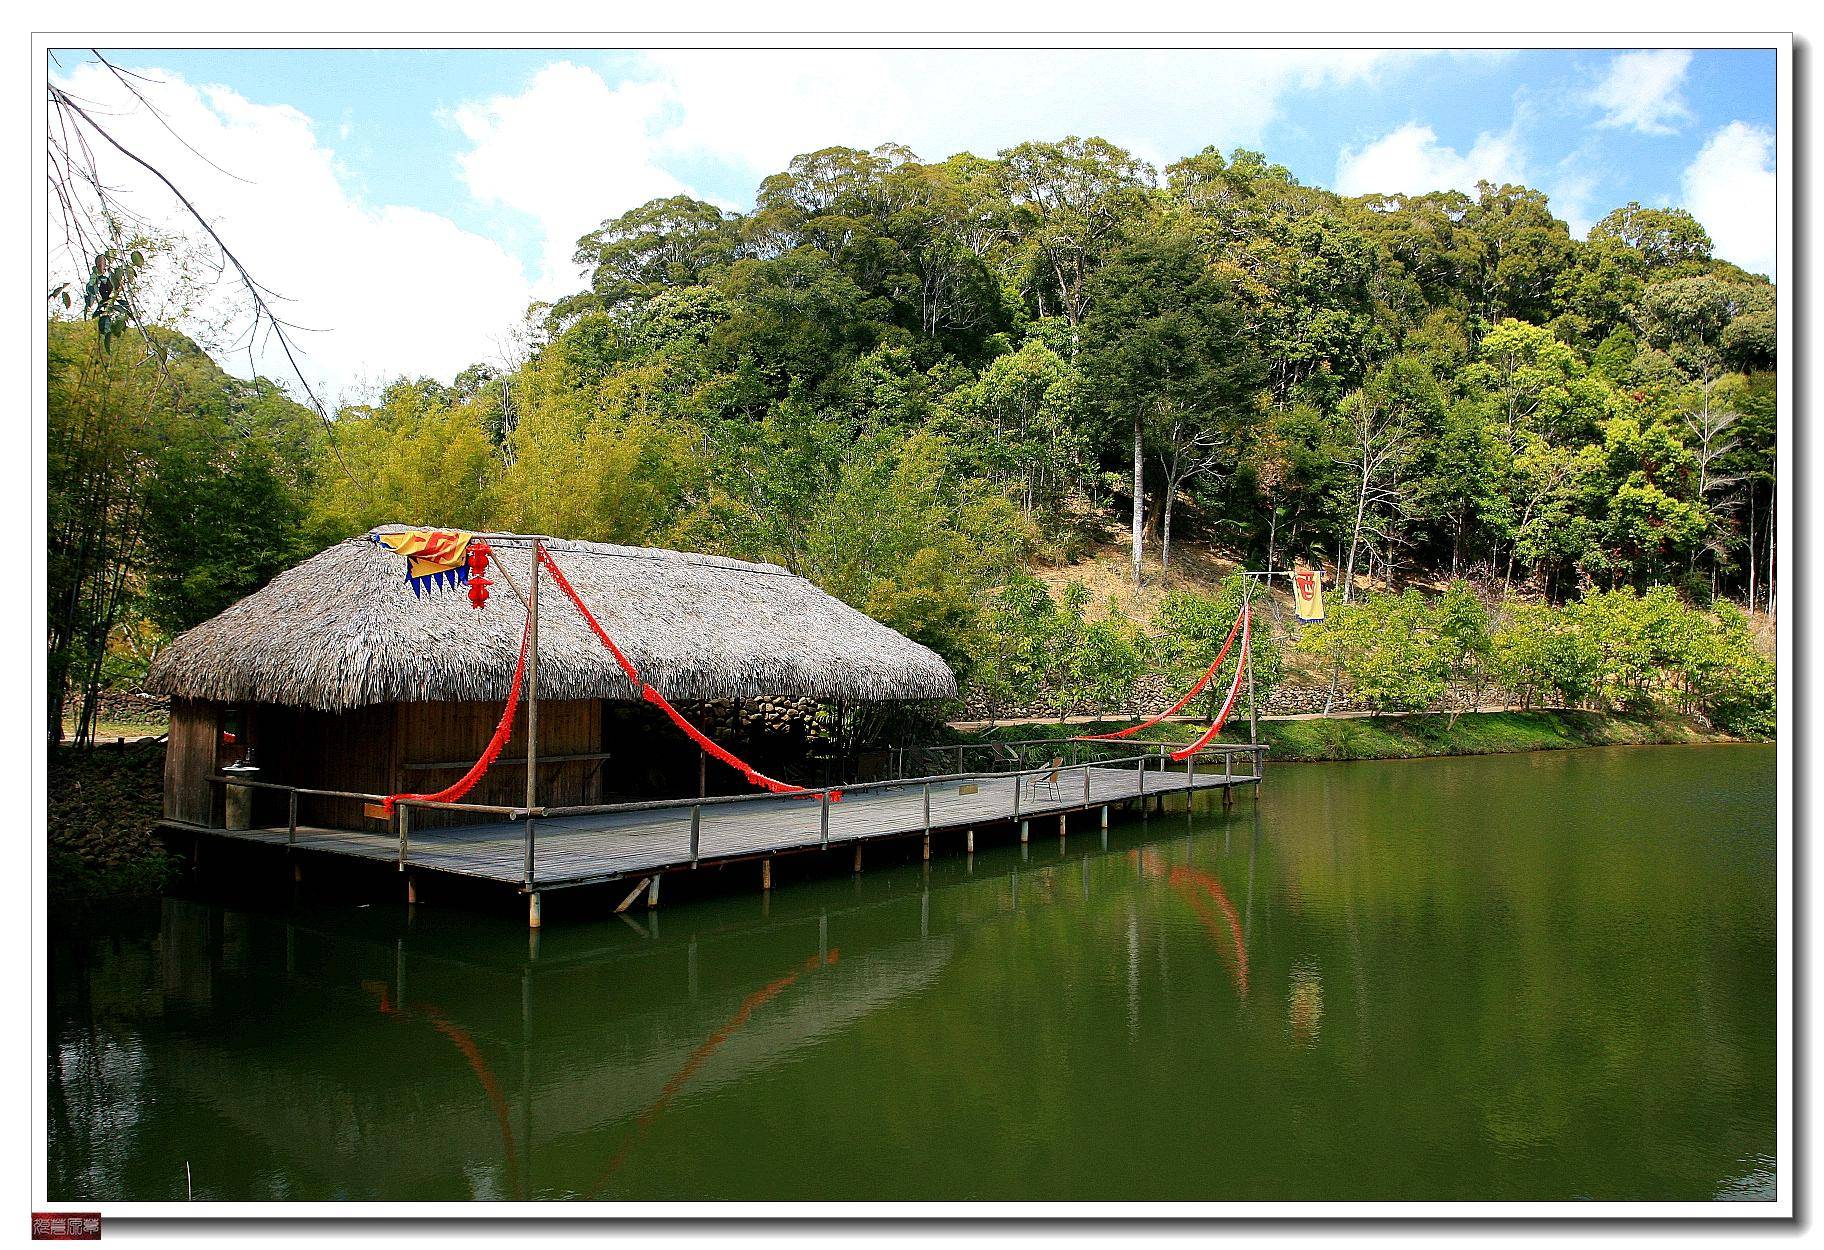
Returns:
(1166, 342)
(670, 242)
(1375, 434)
(1071, 201)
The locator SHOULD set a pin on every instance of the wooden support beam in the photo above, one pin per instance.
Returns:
(633, 894)
(927, 846)
(858, 858)
(411, 891)
(533, 918)
(970, 836)
(1025, 831)
(1063, 827)
(766, 873)
(652, 891)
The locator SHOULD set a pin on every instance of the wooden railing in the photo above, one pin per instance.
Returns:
(1155, 758)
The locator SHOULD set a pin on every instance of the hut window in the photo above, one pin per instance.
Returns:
(233, 736)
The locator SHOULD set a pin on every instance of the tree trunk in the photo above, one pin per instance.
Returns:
(1772, 521)
(1355, 538)
(1139, 496)
(1750, 560)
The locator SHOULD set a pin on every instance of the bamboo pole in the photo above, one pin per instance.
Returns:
(1247, 658)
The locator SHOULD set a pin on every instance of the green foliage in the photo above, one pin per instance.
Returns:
(901, 377)
(1190, 628)
(1390, 648)
(1643, 653)
(1038, 651)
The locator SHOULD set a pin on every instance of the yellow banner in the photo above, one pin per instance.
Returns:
(433, 557)
(1308, 593)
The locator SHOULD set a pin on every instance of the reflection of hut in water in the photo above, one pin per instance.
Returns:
(566, 1049)
(335, 676)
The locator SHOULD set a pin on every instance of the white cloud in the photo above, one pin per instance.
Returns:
(387, 290)
(569, 151)
(1641, 91)
(756, 110)
(1730, 188)
(1411, 161)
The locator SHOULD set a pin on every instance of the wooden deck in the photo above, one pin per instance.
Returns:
(574, 850)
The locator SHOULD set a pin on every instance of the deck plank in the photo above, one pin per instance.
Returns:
(575, 849)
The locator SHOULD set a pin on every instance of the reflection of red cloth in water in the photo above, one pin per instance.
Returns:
(471, 1053)
(1186, 881)
(752, 1003)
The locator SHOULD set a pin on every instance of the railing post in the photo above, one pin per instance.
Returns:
(1086, 786)
(1190, 773)
(927, 788)
(959, 758)
(291, 821)
(696, 832)
(824, 817)
(1016, 795)
(1228, 767)
(1143, 760)
(405, 832)
(531, 851)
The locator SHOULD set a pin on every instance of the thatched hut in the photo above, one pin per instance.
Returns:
(336, 676)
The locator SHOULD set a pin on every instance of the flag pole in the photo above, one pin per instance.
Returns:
(1248, 658)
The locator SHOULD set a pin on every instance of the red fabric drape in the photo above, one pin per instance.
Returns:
(1228, 705)
(1177, 707)
(502, 732)
(753, 775)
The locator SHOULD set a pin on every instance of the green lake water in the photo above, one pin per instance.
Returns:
(1541, 976)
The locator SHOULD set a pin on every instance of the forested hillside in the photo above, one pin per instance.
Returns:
(910, 381)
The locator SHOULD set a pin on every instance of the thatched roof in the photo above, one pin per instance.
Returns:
(343, 630)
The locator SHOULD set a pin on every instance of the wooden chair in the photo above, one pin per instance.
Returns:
(1050, 780)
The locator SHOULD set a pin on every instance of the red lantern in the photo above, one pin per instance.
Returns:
(478, 564)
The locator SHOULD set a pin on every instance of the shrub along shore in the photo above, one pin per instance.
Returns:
(1410, 736)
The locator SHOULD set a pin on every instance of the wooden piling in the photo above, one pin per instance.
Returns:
(1025, 831)
(533, 918)
(970, 841)
(411, 891)
(1062, 826)
(927, 849)
(652, 891)
(858, 859)
(766, 873)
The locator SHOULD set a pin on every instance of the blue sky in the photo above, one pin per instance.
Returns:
(498, 159)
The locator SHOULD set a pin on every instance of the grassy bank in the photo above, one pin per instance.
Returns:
(103, 805)
(1414, 736)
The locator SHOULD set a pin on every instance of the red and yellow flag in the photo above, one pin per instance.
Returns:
(433, 557)
(1308, 592)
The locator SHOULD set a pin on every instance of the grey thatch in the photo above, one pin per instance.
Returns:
(343, 630)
